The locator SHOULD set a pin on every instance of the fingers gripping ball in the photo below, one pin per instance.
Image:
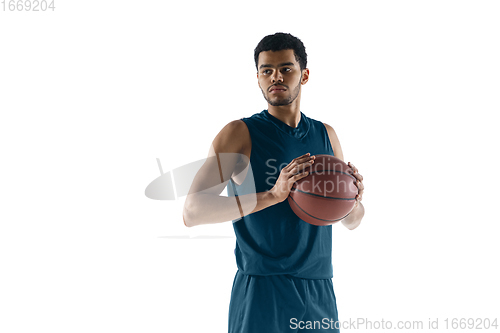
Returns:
(327, 194)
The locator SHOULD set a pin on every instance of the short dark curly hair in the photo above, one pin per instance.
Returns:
(282, 41)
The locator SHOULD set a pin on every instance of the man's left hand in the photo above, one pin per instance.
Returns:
(358, 182)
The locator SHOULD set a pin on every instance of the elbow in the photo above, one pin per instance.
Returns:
(352, 226)
(184, 219)
(187, 220)
(187, 216)
(353, 220)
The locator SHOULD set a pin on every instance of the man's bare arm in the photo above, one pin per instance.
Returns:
(210, 208)
(353, 220)
(204, 205)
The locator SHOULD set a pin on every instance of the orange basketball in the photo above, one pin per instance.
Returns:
(327, 194)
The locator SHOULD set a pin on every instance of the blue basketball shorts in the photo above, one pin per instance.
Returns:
(282, 303)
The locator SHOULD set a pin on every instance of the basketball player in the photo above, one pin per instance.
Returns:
(283, 282)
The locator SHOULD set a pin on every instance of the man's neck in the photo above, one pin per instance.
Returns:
(289, 114)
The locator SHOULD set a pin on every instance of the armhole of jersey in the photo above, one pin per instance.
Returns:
(250, 134)
(327, 136)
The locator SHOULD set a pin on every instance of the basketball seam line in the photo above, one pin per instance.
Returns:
(342, 172)
(322, 196)
(317, 218)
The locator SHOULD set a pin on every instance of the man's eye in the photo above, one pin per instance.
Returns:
(266, 71)
(287, 69)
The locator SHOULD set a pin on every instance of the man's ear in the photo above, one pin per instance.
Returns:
(305, 76)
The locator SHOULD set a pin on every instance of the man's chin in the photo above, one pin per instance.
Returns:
(279, 102)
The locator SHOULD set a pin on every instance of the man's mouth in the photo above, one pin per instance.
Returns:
(276, 90)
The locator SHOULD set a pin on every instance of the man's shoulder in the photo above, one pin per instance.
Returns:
(237, 133)
(334, 141)
(328, 127)
(235, 128)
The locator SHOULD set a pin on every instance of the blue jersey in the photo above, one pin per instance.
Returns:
(274, 240)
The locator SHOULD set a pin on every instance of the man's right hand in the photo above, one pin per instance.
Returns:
(290, 174)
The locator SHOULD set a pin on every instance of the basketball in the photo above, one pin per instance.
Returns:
(327, 194)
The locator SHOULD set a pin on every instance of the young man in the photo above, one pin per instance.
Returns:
(283, 282)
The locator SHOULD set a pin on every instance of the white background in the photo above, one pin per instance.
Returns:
(93, 92)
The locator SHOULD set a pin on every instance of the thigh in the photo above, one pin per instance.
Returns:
(321, 314)
(266, 304)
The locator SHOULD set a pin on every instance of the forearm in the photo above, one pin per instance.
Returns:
(204, 208)
(353, 220)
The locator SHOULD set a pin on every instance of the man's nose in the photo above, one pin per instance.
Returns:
(277, 77)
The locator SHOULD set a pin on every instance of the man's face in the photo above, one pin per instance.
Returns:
(279, 77)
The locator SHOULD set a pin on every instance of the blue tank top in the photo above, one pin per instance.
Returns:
(274, 240)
